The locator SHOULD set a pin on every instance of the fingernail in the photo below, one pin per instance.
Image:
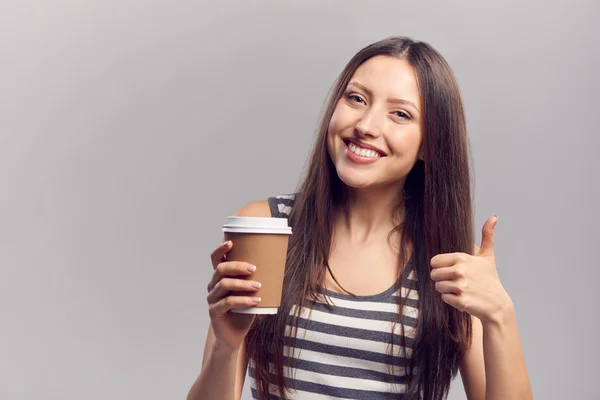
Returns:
(251, 268)
(256, 299)
(225, 244)
(256, 285)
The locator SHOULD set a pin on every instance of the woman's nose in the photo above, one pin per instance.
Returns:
(369, 125)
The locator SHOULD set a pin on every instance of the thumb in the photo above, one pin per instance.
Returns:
(487, 237)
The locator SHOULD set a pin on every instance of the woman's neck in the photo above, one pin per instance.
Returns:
(369, 213)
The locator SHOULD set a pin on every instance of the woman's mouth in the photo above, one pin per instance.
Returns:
(362, 152)
(359, 154)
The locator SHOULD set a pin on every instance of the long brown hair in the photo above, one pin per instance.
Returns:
(437, 219)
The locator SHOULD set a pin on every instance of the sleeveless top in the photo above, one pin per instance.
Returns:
(345, 352)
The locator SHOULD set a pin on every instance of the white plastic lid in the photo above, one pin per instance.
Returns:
(255, 310)
(257, 225)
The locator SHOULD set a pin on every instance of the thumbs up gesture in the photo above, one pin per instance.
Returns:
(470, 282)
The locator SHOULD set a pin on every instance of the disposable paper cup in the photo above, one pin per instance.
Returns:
(262, 242)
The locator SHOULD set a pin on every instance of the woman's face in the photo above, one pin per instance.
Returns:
(374, 134)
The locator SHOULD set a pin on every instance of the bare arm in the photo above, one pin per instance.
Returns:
(219, 364)
(494, 367)
(224, 367)
(505, 371)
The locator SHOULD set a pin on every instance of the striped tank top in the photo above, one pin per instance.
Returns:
(344, 352)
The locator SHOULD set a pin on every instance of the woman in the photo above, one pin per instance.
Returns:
(385, 294)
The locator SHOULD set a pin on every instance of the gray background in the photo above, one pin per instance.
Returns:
(129, 130)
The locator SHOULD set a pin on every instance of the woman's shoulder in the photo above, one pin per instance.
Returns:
(258, 208)
(279, 206)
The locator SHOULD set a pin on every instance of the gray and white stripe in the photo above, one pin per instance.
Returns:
(344, 352)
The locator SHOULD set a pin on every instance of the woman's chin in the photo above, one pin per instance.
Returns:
(356, 182)
(359, 181)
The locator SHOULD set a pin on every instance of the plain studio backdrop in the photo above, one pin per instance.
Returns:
(129, 131)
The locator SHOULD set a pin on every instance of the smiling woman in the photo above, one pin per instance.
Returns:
(376, 123)
(385, 295)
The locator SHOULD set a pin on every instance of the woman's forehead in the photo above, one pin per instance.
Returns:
(388, 76)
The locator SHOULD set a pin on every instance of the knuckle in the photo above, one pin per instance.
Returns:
(212, 311)
(226, 283)
(464, 268)
(220, 268)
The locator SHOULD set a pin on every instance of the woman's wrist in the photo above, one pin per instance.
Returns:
(503, 316)
(221, 349)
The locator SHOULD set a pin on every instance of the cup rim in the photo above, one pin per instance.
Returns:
(257, 225)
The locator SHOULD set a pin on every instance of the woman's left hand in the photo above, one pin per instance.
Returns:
(470, 282)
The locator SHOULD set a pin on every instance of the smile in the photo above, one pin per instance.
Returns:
(362, 152)
(360, 155)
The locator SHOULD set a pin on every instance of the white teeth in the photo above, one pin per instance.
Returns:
(362, 152)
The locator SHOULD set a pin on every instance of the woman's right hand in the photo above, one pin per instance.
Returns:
(230, 329)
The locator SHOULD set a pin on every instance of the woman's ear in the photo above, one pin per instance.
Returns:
(421, 154)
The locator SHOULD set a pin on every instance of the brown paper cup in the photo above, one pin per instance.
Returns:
(262, 242)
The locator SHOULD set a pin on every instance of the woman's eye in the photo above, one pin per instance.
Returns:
(402, 114)
(356, 98)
